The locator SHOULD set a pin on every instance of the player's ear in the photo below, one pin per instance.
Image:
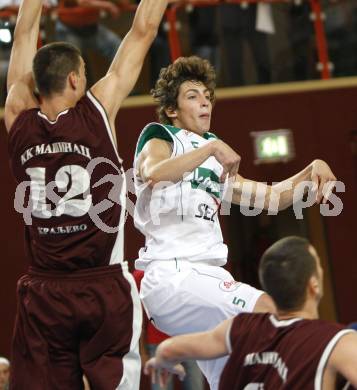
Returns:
(314, 286)
(73, 80)
(171, 112)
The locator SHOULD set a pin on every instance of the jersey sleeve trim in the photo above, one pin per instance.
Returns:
(104, 115)
(153, 130)
(325, 356)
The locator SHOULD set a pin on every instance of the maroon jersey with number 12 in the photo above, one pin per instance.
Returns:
(268, 354)
(71, 173)
(78, 306)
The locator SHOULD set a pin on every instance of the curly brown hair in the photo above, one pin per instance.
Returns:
(170, 79)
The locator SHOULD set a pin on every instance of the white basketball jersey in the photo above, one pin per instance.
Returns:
(180, 220)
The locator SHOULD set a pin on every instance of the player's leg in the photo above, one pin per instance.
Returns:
(228, 298)
(111, 321)
(194, 378)
(44, 353)
(193, 298)
(179, 297)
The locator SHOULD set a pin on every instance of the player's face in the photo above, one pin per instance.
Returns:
(4, 375)
(194, 108)
(319, 271)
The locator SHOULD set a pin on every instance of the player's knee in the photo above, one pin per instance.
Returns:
(264, 305)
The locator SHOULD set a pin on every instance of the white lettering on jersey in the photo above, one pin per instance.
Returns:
(56, 147)
(62, 229)
(271, 358)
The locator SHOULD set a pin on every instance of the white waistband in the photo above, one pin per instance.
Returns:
(179, 263)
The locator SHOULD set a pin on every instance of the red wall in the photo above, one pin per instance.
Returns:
(321, 122)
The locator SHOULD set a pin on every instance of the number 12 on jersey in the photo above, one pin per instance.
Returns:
(72, 180)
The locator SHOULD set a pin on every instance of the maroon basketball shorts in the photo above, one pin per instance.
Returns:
(84, 322)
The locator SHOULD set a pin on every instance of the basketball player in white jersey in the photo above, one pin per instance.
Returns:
(182, 168)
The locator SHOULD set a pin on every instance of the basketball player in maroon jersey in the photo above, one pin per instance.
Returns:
(290, 350)
(78, 307)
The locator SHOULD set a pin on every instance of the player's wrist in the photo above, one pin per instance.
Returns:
(212, 147)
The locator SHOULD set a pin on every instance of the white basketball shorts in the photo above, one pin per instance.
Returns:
(180, 297)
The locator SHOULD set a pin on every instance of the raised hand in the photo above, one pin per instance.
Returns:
(227, 157)
(163, 370)
(323, 180)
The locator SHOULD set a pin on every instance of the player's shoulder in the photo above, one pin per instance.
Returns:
(17, 121)
(90, 113)
(324, 325)
(245, 322)
(19, 100)
(160, 128)
(88, 102)
(87, 107)
(343, 344)
(155, 130)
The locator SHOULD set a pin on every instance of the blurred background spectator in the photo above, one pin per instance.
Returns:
(204, 35)
(341, 36)
(7, 26)
(247, 42)
(79, 22)
(4, 373)
(8, 10)
(302, 41)
(159, 53)
(239, 25)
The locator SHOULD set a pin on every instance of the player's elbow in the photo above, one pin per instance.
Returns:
(25, 36)
(152, 180)
(144, 30)
(151, 175)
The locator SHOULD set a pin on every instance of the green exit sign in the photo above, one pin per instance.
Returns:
(273, 146)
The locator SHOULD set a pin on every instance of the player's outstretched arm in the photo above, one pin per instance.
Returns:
(343, 358)
(155, 164)
(124, 71)
(204, 345)
(287, 191)
(19, 76)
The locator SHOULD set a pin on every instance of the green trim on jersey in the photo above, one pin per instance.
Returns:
(205, 179)
(209, 135)
(153, 131)
(174, 130)
(164, 132)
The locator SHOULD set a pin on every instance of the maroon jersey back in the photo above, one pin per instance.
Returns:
(70, 182)
(268, 354)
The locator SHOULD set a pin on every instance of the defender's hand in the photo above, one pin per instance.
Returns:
(323, 180)
(162, 370)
